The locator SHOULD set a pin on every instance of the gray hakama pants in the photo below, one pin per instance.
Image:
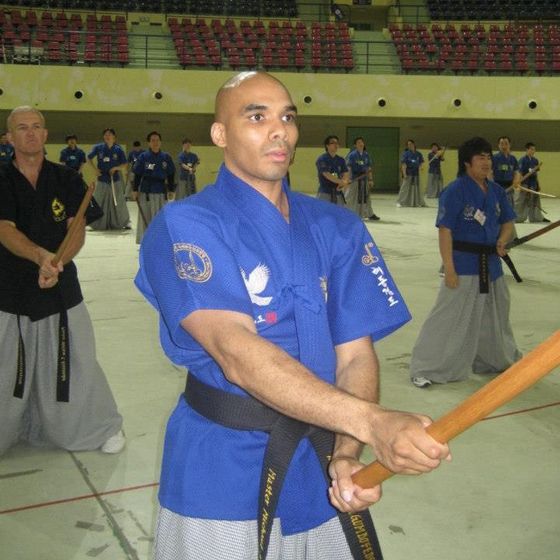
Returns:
(114, 217)
(409, 193)
(129, 186)
(149, 206)
(434, 185)
(358, 200)
(186, 538)
(465, 332)
(528, 206)
(185, 187)
(90, 417)
(327, 197)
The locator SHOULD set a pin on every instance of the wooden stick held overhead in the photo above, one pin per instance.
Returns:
(502, 389)
(75, 226)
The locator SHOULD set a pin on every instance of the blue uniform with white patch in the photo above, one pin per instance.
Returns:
(335, 165)
(359, 162)
(73, 158)
(106, 159)
(154, 172)
(188, 158)
(504, 168)
(476, 217)
(413, 161)
(229, 248)
(526, 165)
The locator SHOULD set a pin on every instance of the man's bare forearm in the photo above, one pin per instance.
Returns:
(275, 378)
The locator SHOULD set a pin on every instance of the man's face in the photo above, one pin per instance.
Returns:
(531, 151)
(108, 137)
(3, 139)
(186, 147)
(258, 131)
(410, 145)
(503, 145)
(155, 143)
(332, 146)
(360, 145)
(72, 143)
(480, 166)
(27, 134)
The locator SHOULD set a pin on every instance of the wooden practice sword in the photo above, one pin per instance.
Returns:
(502, 389)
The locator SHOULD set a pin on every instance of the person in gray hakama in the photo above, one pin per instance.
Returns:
(434, 185)
(109, 189)
(154, 182)
(411, 165)
(52, 390)
(468, 329)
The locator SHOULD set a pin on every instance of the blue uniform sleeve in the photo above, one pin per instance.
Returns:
(322, 165)
(186, 265)
(121, 155)
(363, 298)
(449, 207)
(62, 158)
(93, 152)
(507, 213)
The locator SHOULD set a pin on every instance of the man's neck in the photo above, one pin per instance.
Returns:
(29, 166)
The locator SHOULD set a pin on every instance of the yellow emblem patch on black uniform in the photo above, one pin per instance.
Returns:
(58, 210)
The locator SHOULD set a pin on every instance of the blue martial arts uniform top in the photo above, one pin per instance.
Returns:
(6, 153)
(335, 165)
(526, 165)
(186, 158)
(504, 167)
(413, 161)
(133, 156)
(476, 217)
(72, 157)
(434, 164)
(152, 171)
(106, 159)
(359, 163)
(229, 248)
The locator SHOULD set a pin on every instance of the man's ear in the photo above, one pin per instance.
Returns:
(218, 134)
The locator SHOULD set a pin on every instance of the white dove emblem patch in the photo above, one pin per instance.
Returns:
(256, 284)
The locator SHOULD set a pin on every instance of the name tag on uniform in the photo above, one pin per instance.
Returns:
(480, 217)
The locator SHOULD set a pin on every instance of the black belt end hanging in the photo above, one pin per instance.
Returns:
(20, 371)
(63, 361)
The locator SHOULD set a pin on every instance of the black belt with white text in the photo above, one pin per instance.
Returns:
(246, 413)
(62, 363)
(483, 251)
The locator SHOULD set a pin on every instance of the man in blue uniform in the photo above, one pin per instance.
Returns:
(505, 168)
(360, 164)
(188, 162)
(154, 182)
(529, 205)
(255, 289)
(468, 330)
(72, 156)
(52, 390)
(333, 173)
(131, 160)
(109, 190)
(435, 178)
(6, 149)
(411, 165)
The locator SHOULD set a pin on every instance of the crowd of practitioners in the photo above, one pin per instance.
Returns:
(277, 336)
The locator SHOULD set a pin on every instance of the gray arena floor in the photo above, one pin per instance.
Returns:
(498, 498)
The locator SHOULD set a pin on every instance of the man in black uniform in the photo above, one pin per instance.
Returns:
(52, 389)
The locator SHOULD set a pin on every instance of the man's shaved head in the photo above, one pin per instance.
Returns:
(255, 124)
(233, 84)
